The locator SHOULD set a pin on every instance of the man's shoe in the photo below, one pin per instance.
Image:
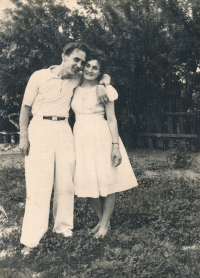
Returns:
(26, 251)
(67, 234)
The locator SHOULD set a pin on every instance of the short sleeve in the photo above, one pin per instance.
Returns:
(31, 90)
(112, 93)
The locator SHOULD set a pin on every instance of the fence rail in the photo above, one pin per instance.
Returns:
(154, 131)
(163, 130)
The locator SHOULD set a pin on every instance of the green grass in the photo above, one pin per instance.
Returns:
(155, 230)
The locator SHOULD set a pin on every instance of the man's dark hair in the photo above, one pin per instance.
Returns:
(98, 55)
(69, 48)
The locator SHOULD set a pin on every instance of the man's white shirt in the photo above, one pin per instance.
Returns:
(48, 94)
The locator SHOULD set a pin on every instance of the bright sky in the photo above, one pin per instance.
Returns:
(71, 3)
(7, 4)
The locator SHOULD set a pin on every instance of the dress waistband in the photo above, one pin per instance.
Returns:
(90, 117)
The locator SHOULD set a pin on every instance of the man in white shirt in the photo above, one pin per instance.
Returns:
(48, 146)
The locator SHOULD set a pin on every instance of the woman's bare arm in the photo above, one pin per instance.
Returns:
(112, 123)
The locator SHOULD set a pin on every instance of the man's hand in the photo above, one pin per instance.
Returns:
(116, 156)
(24, 146)
(105, 79)
(102, 94)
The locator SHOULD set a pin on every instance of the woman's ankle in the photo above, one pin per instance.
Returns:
(105, 224)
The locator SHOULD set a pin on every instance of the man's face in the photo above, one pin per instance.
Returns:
(73, 63)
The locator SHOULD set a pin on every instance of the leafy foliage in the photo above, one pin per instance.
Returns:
(179, 157)
(153, 49)
(32, 37)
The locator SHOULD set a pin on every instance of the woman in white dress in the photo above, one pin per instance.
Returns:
(102, 164)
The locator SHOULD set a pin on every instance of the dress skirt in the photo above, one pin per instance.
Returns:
(94, 173)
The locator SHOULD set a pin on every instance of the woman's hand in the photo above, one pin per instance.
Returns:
(116, 157)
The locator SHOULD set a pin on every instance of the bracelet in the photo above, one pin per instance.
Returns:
(115, 143)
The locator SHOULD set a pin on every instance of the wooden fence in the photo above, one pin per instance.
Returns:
(162, 131)
(154, 131)
(9, 137)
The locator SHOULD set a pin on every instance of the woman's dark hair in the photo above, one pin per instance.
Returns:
(69, 48)
(100, 57)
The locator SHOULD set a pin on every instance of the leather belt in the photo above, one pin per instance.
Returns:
(53, 118)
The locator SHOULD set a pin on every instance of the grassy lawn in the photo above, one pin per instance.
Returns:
(154, 230)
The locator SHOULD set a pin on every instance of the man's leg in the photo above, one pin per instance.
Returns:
(39, 170)
(63, 184)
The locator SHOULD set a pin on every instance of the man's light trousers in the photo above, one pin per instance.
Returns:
(51, 161)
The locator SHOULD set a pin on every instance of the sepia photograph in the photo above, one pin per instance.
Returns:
(99, 138)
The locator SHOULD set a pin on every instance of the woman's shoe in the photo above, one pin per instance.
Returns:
(26, 250)
(99, 234)
(95, 229)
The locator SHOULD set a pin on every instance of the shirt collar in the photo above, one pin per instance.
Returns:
(55, 76)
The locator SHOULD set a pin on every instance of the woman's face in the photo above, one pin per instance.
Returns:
(91, 70)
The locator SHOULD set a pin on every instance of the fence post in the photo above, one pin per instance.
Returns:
(12, 138)
(5, 138)
(193, 123)
(159, 130)
(140, 139)
(148, 130)
(181, 129)
(170, 130)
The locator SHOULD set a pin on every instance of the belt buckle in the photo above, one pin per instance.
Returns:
(54, 118)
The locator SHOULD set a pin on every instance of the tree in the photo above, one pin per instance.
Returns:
(153, 48)
(31, 37)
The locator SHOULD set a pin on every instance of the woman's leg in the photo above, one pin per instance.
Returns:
(108, 207)
(97, 205)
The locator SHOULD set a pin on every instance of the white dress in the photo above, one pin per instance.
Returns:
(94, 174)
